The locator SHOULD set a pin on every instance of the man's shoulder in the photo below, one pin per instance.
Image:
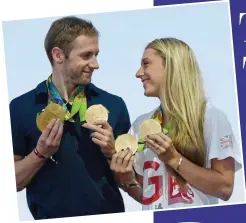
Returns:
(22, 98)
(26, 98)
(107, 95)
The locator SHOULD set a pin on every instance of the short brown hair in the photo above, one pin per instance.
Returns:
(64, 31)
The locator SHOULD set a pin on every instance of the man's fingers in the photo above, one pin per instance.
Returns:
(59, 133)
(48, 128)
(54, 130)
(99, 136)
(102, 123)
(99, 142)
(96, 129)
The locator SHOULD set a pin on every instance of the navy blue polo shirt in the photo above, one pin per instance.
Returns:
(82, 182)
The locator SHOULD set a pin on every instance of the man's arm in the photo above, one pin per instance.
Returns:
(48, 144)
(26, 168)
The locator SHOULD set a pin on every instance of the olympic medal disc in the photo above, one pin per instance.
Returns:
(149, 127)
(96, 112)
(52, 111)
(126, 141)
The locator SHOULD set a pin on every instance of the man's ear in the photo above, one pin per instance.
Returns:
(58, 55)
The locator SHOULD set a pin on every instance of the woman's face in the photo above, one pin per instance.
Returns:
(151, 73)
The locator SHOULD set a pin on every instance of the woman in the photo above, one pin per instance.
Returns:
(194, 164)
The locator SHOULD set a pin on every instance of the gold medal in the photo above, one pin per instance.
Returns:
(96, 112)
(126, 141)
(52, 111)
(149, 127)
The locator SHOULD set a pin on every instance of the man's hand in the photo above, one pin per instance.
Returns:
(102, 136)
(50, 139)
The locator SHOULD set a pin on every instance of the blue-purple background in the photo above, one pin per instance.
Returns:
(231, 213)
(220, 214)
(172, 2)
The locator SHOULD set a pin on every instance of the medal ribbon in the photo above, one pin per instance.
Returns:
(165, 127)
(79, 102)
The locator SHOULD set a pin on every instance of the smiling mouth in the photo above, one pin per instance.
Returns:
(88, 73)
(145, 81)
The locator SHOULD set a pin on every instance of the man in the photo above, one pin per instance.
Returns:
(80, 181)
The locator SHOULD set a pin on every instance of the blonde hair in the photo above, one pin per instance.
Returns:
(182, 97)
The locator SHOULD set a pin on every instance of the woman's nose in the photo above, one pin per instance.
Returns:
(140, 72)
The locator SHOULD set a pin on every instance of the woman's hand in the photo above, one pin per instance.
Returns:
(163, 147)
(122, 166)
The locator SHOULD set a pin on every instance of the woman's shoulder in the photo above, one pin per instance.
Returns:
(213, 113)
(215, 116)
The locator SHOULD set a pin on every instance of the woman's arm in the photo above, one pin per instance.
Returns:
(221, 151)
(136, 192)
(217, 181)
(129, 180)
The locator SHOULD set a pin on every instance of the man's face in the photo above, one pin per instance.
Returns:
(82, 60)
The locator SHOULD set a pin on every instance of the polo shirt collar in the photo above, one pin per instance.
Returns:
(90, 89)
